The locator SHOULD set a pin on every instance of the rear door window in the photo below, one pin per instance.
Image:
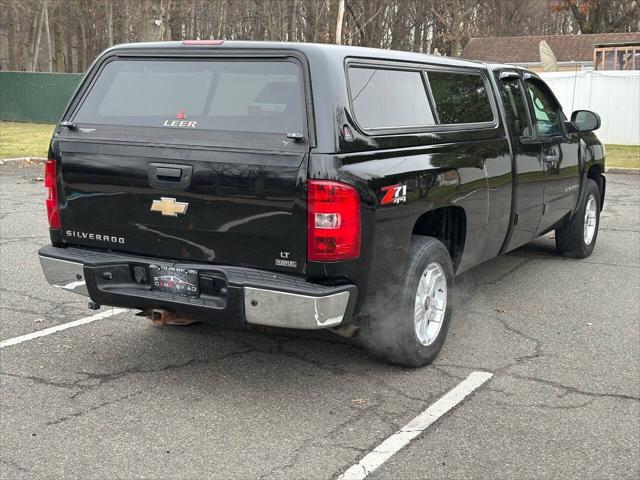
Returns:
(241, 96)
(460, 97)
(389, 99)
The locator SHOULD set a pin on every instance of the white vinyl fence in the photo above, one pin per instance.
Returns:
(614, 95)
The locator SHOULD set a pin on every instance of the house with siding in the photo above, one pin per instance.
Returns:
(599, 51)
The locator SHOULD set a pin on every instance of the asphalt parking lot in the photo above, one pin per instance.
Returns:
(118, 398)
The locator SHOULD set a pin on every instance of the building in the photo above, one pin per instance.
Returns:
(599, 51)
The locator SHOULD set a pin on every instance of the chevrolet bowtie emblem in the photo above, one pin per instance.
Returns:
(169, 207)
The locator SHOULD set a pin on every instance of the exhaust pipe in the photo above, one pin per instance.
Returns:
(161, 317)
(347, 331)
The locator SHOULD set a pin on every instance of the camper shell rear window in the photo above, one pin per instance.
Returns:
(261, 96)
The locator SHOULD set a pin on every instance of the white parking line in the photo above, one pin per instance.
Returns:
(58, 328)
(72, 285)
(415, 427)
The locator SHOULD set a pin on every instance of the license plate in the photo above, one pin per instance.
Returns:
(182, 281)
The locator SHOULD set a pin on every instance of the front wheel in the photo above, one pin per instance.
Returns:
(577, 237)
(411, 331)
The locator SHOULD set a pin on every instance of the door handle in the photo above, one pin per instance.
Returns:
(170, 174)
(551, 158)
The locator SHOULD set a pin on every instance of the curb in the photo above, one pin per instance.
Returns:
(633, 171)
(23, 161)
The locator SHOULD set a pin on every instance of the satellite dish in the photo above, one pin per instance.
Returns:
(547, 58)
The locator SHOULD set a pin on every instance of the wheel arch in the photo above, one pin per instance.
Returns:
(449, 225)
(596, 173)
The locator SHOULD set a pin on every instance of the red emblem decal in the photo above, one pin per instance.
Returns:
(181, 115)
(388, 194)
(394, 194)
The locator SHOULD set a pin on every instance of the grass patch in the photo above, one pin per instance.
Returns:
(24, 139)
(623, 156)
(32, 140)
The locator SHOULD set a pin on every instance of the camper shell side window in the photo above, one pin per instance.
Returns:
(388, 98)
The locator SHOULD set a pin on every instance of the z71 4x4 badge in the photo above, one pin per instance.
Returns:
(394, 194)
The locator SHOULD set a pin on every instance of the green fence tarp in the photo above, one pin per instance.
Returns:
(35, 97)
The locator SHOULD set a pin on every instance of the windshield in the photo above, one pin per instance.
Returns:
(240, 96)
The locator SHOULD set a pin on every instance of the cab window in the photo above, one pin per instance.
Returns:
(460, 97)
(546, 111)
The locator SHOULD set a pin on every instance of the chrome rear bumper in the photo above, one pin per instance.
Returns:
(64, 274)
(263, 298)
(291, 310)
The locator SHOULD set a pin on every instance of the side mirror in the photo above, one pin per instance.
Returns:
(585, 120)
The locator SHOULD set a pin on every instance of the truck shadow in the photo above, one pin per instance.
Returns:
(147, 348)
(334, 351)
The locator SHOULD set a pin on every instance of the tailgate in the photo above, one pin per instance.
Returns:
(157, 170)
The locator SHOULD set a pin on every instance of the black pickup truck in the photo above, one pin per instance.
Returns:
(309, 186)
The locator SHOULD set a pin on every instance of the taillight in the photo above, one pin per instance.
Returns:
(51, 201)
(333, 221)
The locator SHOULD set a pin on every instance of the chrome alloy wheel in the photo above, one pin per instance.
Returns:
(590, 219)
(431, 303)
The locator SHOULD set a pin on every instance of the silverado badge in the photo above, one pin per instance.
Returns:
(169, 207)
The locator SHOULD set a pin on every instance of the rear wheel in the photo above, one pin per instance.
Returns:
(411, 332)
(577, 237)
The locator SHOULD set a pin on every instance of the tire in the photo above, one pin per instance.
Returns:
(577, 237)
(391, 334)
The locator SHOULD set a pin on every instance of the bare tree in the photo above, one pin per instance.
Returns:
(76, 31)
(126, 22)
(37, 35)
(108, 6)
(47, 36)
(339, 22)
(12, 36)
(598, 16)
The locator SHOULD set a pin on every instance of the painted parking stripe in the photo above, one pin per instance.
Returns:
(72, 285)
(415, 427)
(59, 328)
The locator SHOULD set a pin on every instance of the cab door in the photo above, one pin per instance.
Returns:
(559, 154)
(528, 166)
